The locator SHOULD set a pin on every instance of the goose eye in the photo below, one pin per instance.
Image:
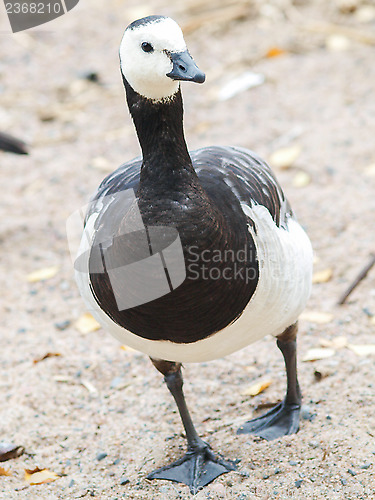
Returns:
(147, 47)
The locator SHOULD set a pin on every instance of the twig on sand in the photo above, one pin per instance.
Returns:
(357, 280)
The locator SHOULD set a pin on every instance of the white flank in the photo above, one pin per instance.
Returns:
(285, 272)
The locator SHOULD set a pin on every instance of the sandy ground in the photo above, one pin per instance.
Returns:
(98, 398)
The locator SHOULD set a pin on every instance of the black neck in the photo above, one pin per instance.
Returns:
(159, 126)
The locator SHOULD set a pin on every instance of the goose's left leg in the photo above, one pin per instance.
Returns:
(283, 419)
(199, 466)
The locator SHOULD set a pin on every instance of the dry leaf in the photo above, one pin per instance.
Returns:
(275, 52)
(257, 388)
(42, 274)
(318, 353)
(322, 276)
(4, 472)
(301, 179)
(335, 343)
(9, 451)
(285, 157)
(40, 476)
(48, 355)
(362, 349)
(87, 324)
(317, 317)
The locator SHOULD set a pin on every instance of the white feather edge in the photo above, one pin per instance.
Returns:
(285, 271)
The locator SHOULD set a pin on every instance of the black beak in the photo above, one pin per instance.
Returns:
(184, 68)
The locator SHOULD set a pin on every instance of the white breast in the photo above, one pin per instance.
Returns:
(285, 269)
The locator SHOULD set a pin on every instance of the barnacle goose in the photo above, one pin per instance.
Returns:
(247, 262)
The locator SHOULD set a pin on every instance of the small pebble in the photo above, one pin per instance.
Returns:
(91, 76)
(64, 285)
(352, 472)
(62, 325)
(101, 455)
(116, 382)
(277, 470)
(328, 417)
(367, 312)
(314, 444)
(266, 476)
(298, 483)
(71, 483)
(116, 462)
(365, 466)
(124, 480)
(306, 413)
(8, 451)
(293, 462)
(245, 473)
(343, 481)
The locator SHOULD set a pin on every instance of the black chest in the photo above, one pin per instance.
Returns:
(188, 274)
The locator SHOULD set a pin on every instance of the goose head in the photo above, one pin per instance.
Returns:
(154, 58)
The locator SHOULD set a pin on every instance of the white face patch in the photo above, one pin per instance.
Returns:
(146, 72)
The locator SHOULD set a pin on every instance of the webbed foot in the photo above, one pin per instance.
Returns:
(281, 420)
(196, 469)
